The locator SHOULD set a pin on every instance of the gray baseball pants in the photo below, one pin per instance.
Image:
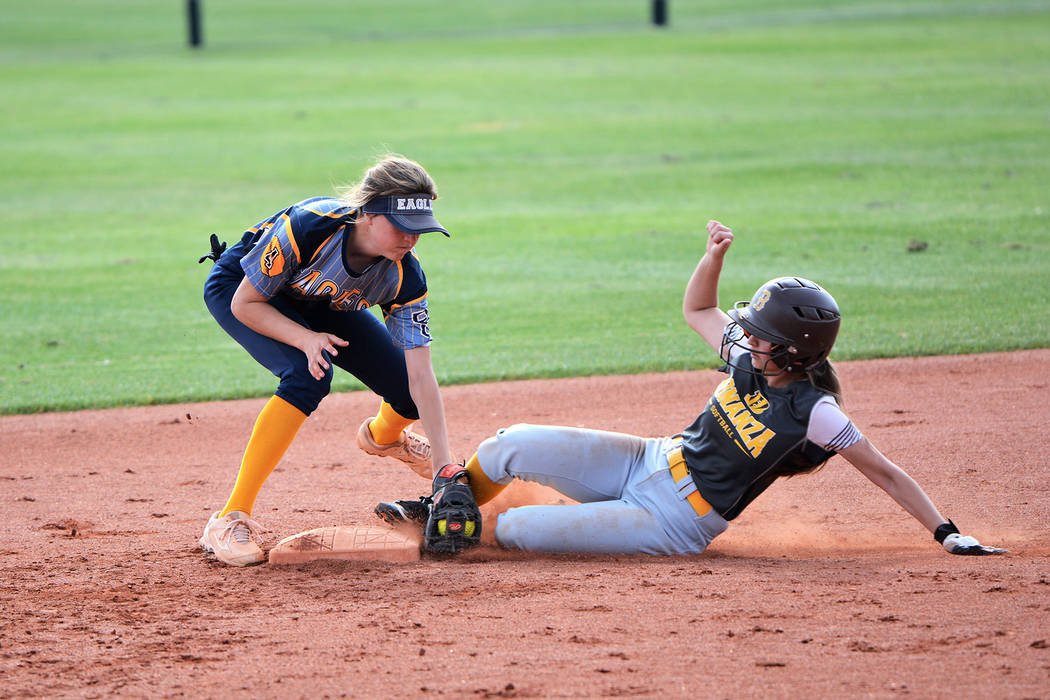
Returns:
(628, 501)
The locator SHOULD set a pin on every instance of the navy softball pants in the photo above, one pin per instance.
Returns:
(371, 356)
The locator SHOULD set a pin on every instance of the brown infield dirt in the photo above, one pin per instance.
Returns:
(822, 588)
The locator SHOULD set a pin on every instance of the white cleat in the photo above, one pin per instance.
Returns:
(234, 539)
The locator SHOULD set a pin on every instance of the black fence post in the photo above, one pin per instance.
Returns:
(660, 13)
(193, 15)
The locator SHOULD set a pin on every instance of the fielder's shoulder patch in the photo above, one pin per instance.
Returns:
(271, 263)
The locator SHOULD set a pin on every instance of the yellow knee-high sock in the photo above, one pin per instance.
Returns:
(275, 428)
(484, 488)
(387, 426)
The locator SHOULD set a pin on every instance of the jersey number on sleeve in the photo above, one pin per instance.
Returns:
(422, 320)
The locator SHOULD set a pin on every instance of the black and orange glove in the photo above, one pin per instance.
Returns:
(454, 523)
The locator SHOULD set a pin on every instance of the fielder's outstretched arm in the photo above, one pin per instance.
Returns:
(423, 386)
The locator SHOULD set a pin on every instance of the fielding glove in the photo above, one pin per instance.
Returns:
(454, 521)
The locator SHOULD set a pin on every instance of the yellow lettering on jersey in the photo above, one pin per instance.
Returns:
(756, 402)
(749, 428)
(721, 421)
(757, 443)
(726, 427)
(272, 262)
(746, 425)
(304, 284)
(725, 390)
(736, 412)
(754, 434)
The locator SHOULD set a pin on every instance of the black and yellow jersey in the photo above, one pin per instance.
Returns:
(733, 448)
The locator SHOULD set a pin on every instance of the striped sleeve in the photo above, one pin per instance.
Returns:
(274, 259)
(830, 428)
(289, 240)
(407, 317)
(409, 325)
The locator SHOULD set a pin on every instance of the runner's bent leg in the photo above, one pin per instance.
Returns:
(629, 502)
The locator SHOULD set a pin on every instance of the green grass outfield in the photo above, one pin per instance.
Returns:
(578, 151)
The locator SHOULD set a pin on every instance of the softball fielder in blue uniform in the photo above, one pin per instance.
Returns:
(295, 292)
(776, 414)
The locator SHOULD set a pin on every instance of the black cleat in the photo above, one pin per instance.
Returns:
(405, 511)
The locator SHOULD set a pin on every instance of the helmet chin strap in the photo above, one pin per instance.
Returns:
(773, 357)
(770, 358)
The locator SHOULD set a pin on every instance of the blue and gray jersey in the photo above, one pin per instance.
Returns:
(300, 253)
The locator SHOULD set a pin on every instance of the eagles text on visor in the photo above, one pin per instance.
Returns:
(410, 213)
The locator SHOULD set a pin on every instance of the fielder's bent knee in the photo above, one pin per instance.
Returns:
(305, 393)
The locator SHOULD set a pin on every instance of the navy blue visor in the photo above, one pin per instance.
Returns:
(410, 213)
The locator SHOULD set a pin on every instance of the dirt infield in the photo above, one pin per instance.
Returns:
(822, 588)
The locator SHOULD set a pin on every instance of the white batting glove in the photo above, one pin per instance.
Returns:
(964, 544)
(947, 534)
